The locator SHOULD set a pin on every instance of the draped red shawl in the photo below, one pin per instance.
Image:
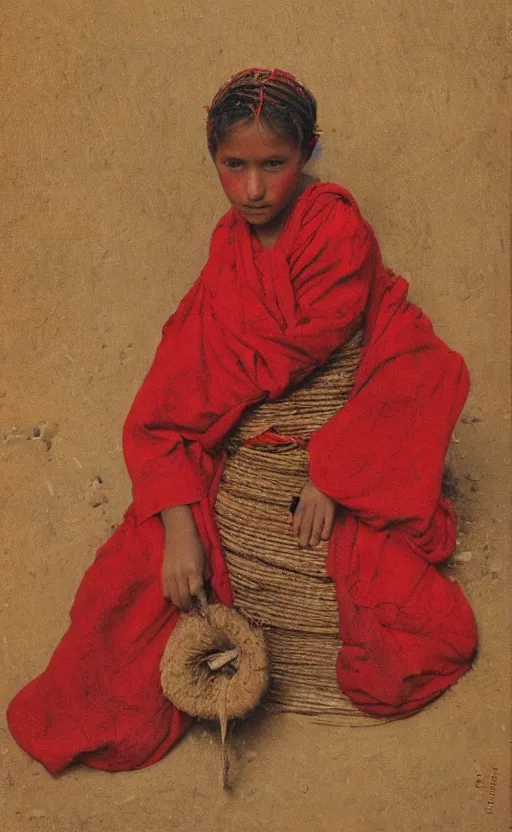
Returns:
(254, 323)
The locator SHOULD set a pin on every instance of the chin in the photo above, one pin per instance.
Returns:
(261, 222)
(269, 220)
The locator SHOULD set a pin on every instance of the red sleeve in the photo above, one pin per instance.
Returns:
(166, 469)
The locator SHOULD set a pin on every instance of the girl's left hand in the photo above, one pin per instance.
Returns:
(313, 518)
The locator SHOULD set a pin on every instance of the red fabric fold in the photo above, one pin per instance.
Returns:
(255, 323)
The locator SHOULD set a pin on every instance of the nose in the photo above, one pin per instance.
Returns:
(255, 186)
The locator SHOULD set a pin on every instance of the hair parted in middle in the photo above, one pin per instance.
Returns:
(275, 96)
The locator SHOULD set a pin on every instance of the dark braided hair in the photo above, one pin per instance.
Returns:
(287, 107)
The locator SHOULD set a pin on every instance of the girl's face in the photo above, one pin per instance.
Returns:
(259, 172)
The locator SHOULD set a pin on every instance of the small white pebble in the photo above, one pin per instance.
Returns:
(463, 557)
(251, 755)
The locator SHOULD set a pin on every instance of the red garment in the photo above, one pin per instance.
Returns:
(254, 323)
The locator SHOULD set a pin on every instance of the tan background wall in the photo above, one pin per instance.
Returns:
(109, 200)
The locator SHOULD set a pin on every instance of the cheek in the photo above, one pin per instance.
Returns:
(283, 186)
(233, 186)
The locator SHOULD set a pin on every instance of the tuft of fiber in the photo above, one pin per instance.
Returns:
(196, 646)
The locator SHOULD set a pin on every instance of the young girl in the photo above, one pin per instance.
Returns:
(292, 271)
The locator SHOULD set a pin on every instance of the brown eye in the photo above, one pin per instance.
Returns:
(233, 164)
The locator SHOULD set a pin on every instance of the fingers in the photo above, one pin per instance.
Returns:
(313, 520)
(201, 600)
(306, 525)
(176, 588)
(330, 514)
(166, 583)
(181, 589)
(317, 527)
(197, 593)
(180, 594)
(297, 517)
(302, 522)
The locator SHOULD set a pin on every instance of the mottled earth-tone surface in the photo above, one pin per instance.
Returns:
(108, 200)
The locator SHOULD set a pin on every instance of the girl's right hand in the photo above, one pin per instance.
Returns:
(183, 560)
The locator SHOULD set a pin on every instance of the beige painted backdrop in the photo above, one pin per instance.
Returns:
(109, 198)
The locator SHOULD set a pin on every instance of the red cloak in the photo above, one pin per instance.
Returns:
(255, 322)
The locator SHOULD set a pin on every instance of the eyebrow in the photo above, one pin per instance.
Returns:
(273, 158)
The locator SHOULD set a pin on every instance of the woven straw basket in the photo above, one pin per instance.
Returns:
(275, 583)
